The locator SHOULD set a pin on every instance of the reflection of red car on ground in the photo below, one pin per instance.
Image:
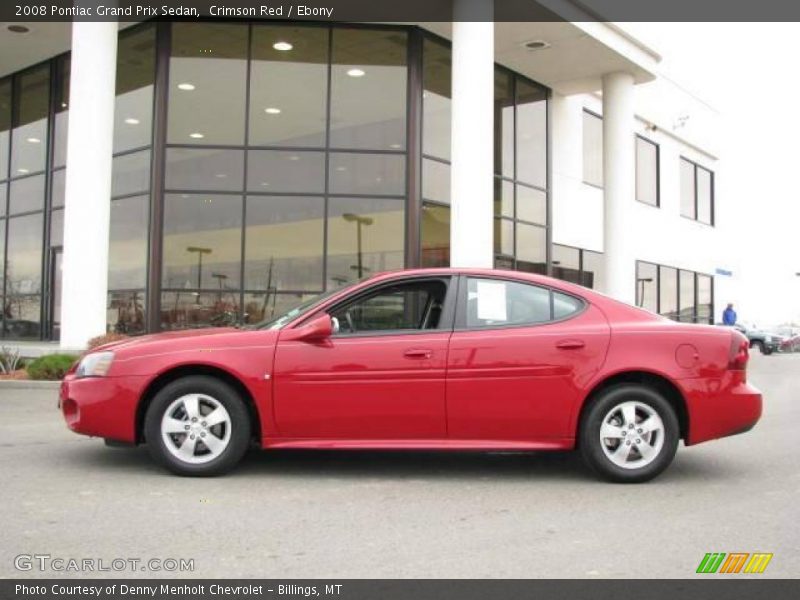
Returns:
(425, 359)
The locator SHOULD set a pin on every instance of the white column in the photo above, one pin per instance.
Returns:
(619, 185)
(88, 182)
(472, 137)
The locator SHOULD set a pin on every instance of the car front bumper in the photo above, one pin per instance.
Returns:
(101, 406)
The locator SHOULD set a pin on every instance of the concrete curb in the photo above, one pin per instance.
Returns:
(27, 384)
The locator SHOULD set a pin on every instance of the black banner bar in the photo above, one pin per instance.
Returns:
(710, 586)
(18, 11)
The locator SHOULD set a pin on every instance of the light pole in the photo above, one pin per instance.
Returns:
(200, 252)
(220, 277)
(642, 281)
(359, 221)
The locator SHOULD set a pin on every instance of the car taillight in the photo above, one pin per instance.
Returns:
(739, 352)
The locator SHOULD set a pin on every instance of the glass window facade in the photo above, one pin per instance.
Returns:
(254, 165)
(697, 192)
(577, 265)
(592, 149)
(675, 293)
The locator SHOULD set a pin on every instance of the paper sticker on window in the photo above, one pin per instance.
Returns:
(491, 301)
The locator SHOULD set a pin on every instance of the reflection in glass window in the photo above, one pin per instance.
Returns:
(436, 81)
(592, 149)
(29, 136)
(435, 235)
(202, 241)
(687, 304)
(592, 268)
(24, 256)
(436, 181)
(531, 134)
(668, 292)
(531, 248)
(130, 173)
(647, 286)
(705, 312)
(503, 240)
(503, 198)
(61, 121)
(493, 302)
(688, 207)
(3, 188)
(204, 169)
(56, 228)
(189, 310)
(57, 193)
(531, 205)
(5, 125)
(288, 86)
(365, 236)
(564, 305)
(207, 82)
(266, 305)
(125, 312)
(133, 108)
(646, 171)
(368, 89)
(503, 123)
(355, 173)
(280, 171)
(127, 254)
(26, 194)
(566, 263)
(275, 260)
(22, 318)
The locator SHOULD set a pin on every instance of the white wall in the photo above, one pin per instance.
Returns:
(659, 235)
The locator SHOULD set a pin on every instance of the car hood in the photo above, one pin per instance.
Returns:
(192, 338)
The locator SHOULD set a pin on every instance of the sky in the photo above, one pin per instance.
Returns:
(748, 73)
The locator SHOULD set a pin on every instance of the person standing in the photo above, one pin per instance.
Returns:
(729, 316)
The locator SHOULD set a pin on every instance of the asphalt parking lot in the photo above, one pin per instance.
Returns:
(354, 515)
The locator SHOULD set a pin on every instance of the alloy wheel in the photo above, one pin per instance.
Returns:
(632, 434)
(196, 428)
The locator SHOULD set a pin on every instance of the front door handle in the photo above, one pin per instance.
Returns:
(570, 344)
(418, 353)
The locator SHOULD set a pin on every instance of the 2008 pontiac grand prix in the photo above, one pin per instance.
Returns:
(425, 359)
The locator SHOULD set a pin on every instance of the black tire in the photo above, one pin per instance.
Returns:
(766, 350)
(758, 344)
(590, 444)
(240, 428)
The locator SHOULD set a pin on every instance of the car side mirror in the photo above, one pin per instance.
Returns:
(317, 329)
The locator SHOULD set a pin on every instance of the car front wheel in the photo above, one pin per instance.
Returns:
(197, 426)
(629, 434)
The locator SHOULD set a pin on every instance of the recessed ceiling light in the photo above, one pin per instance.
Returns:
(132, 121)
(187, 87)
(356, 72)
(272, 110)
(63, 105)
(18, 29)
(23, 171)
(197, 135)
(395, 146)
(294, 157)
(265, 183)
(220, 175)
(536, 45)
(341, 169)
(33, 140)
(282, 46)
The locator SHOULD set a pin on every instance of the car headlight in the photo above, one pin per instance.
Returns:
(95, 364)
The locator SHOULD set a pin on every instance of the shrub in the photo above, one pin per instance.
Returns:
(51, 367)
(9, 360)
(102, 340)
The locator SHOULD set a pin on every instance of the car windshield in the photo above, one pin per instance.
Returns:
(276, 322)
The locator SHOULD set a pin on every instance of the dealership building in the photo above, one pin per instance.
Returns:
(159, 176)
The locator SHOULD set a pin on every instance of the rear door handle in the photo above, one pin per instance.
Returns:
(570, 344)
(418, 353)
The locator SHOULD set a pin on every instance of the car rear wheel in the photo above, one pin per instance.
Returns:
(629, 434)
(197, 426)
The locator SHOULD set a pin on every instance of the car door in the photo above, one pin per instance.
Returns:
(381, 376)
(519, 357)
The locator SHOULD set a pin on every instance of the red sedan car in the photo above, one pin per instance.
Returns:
(425, 359)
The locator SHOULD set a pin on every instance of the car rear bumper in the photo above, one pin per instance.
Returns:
(728, 410)
(101, 406)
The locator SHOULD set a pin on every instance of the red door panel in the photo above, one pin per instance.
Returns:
(522, 383)
(362, 387)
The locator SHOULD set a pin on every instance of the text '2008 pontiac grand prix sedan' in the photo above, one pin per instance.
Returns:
(425, 359)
